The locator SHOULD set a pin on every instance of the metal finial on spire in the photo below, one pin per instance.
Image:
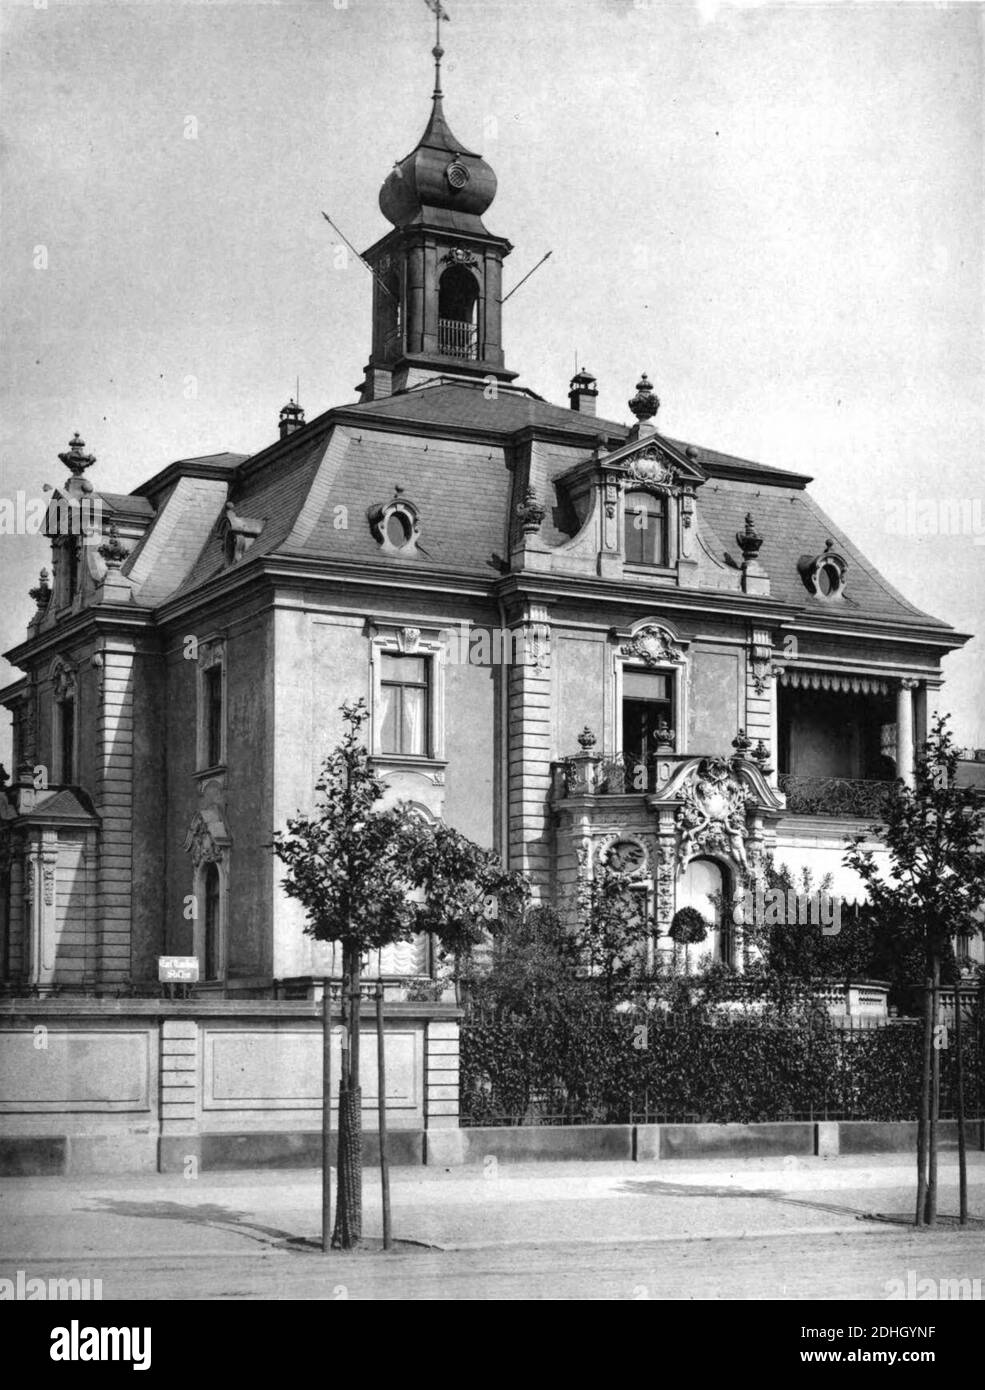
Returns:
(440, 13)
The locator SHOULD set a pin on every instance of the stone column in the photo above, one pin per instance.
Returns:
(904, 730)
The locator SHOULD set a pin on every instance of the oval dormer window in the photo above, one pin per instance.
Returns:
(395, 525)
(824, 574)
(398, 529)
(828, 580)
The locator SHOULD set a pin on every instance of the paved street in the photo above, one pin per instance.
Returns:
(794, 1229)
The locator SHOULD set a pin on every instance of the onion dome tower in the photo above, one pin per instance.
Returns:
(438, 274)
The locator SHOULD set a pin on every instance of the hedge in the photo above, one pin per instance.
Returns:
(598, 1068)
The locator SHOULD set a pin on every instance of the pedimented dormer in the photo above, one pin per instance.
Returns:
(648, 491)
(633, 511)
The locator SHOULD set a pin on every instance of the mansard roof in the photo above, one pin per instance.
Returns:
(450, 449)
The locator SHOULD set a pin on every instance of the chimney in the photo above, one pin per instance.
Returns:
(583, 392)
(291, 418)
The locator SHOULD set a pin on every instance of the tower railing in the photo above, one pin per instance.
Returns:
(458, 339)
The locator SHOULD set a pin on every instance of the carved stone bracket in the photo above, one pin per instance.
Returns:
(62, 679)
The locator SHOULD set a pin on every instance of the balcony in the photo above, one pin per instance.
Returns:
(458, 339)
(623, 774)
(834, 796)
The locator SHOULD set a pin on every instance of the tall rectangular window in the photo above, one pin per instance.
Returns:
(212, 712)
(645, 529)
(405, 699)
(66, 735)
(647, 723)
(212, 909)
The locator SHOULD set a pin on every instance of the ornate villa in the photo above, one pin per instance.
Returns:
(701, 665)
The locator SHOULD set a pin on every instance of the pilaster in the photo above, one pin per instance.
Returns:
(529, 744)
(114, 803)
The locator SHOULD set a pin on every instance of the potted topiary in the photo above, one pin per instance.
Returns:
(688, 928)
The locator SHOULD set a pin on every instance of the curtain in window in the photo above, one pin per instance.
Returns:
(389, 739)
(414, 714)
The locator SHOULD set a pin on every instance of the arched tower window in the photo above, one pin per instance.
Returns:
(458, 306)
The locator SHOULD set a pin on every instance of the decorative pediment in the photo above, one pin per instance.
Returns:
(208, 838)
(653, 463)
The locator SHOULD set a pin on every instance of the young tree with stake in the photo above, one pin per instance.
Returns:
(368, 877)
(932, 890)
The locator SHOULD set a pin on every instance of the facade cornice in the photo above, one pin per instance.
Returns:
(99, 619)
(419, 232)
(552, 588)
(876, 630)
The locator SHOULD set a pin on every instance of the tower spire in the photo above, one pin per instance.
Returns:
(440, 13)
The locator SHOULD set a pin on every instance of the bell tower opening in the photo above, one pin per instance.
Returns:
(458, 322)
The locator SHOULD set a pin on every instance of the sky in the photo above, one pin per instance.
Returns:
(776, 211)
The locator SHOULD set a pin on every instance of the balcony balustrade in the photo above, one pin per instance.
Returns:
(834, 796)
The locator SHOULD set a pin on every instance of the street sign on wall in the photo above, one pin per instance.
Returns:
(177, 969)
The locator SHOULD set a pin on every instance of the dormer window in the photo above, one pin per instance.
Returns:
(828, 580)
(645, 524)
(399, 529)
(824, 574)
(395, 525)
(238, 533)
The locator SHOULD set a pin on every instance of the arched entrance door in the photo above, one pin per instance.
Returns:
(706, 885)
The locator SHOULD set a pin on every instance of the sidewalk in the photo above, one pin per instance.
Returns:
(499, 1205)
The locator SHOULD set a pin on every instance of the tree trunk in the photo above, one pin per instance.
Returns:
(959, 1108)
(924, 1115)
(930, 1215)
(326, 1150)
(381, 1113)
(348, 1207)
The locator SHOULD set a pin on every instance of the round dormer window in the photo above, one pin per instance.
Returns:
(395, 525)
(824, 574)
